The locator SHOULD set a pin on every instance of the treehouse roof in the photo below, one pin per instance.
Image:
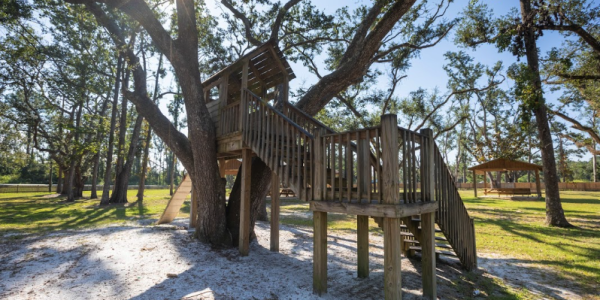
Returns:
(502, 164)
(266, 67)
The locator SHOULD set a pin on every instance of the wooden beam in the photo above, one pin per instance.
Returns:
(244, 241)
(391, 226)
(428, 256)
(193, 209)
(362, 246)
(320, 252)
(274, 212)
(243, 86)
(475, 183)
(375, 210)
(427, 238)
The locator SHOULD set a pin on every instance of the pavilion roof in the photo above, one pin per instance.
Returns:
(503, 164)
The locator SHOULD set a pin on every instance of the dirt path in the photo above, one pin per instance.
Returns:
(164, 262)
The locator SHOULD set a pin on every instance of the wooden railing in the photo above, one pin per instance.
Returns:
(283, 145)
(346, 168)
(303, 120)
(229, 121)
(411, 169)
(452, 216)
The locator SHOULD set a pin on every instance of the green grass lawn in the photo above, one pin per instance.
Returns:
(512, 229)
(36, 213)
(516, 229)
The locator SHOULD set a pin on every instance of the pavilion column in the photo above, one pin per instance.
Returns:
(475, 183)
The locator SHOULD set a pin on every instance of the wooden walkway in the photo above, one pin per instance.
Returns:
(176, 201)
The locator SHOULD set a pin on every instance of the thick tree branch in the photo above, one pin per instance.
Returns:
(280, 15)
(577, 125)
(247, 25)
(582, 33)
(139, 11)
(177, 141)
(358, 57)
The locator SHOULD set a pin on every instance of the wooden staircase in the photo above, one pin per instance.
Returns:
(343, 172)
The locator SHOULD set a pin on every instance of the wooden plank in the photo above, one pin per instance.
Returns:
(275, 212)
(374, 210)
(537, 183)
(320, 252)
(379, 167)
(391, 226)
(362, 246)
(428, 255)
(340, 171)
(349, 164)
(392, 259)
(244, 240)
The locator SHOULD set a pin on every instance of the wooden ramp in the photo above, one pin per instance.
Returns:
(183, 190)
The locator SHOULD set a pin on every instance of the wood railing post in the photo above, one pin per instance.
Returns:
(391, 195)
(362, 222)
(320, 252)
(319, 166)
(274, 212)
(428, 219)
(244, 240)
(193, 209)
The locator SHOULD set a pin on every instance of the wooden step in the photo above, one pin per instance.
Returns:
(406, 227)
(437, 238)
(442, 252)
(438, 245)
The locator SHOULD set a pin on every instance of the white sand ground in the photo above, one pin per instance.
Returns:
(165, 262)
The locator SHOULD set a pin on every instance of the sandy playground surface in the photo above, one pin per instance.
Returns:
(164, 262)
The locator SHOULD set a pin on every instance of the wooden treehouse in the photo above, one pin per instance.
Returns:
(388, 173)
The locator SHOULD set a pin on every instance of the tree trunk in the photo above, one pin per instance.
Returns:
(111, 134)
(172, 174)
(94, 192)
(261, 182)
(119, 194)
(59, 180)
(555, 215)
(143, 169)
(79, 182)
(74, 156)
(262, 210)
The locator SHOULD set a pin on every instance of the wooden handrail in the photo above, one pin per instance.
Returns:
(282, 144)
(307, 117)
(452, 216)
(271, 108)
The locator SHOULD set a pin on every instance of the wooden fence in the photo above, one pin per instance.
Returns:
(563, 186)
(41, 188)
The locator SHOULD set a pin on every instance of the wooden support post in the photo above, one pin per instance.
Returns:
(485, 182)
(243, 87)
(428, 256)
(274, 212)
(244, 241)
(537, 183)
(362, 246)
(428, 219)
(362, 222)
(391, 195)
(320, 161)
(193, 209)
(475, 183)
(320, 252)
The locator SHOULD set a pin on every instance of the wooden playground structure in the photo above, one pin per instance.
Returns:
(502, 165)
(388, 173)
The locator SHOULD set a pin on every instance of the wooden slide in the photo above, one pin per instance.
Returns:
(183, 190)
